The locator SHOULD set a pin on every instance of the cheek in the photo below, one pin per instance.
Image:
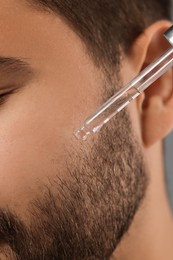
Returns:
(36, 125)
(31, 149)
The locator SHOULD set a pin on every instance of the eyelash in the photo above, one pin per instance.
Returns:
(4, 96)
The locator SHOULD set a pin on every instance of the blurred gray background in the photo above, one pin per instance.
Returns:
(169, 166)
(169, 157)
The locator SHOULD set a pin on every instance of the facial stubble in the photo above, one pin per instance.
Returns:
(86, 216)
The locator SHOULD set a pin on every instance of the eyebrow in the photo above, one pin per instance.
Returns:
(16, 68)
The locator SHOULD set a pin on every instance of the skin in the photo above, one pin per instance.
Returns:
(53, 105)
(52, 70)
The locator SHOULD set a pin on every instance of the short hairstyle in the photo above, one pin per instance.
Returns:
(107, 27)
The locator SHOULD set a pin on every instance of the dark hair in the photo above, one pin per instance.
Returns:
(108, 26)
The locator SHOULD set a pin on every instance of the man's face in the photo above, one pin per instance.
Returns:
(59, 198)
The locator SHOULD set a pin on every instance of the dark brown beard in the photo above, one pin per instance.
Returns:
(87, 216)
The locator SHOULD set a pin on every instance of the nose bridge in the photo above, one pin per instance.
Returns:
(169, 35)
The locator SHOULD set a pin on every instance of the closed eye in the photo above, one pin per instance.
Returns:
(4, 96)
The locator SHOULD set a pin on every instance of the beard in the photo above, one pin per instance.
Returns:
(86, 216)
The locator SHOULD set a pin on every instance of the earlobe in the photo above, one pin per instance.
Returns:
(156, 105)
(157, 120)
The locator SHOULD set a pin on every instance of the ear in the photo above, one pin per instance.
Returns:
(155, 106)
